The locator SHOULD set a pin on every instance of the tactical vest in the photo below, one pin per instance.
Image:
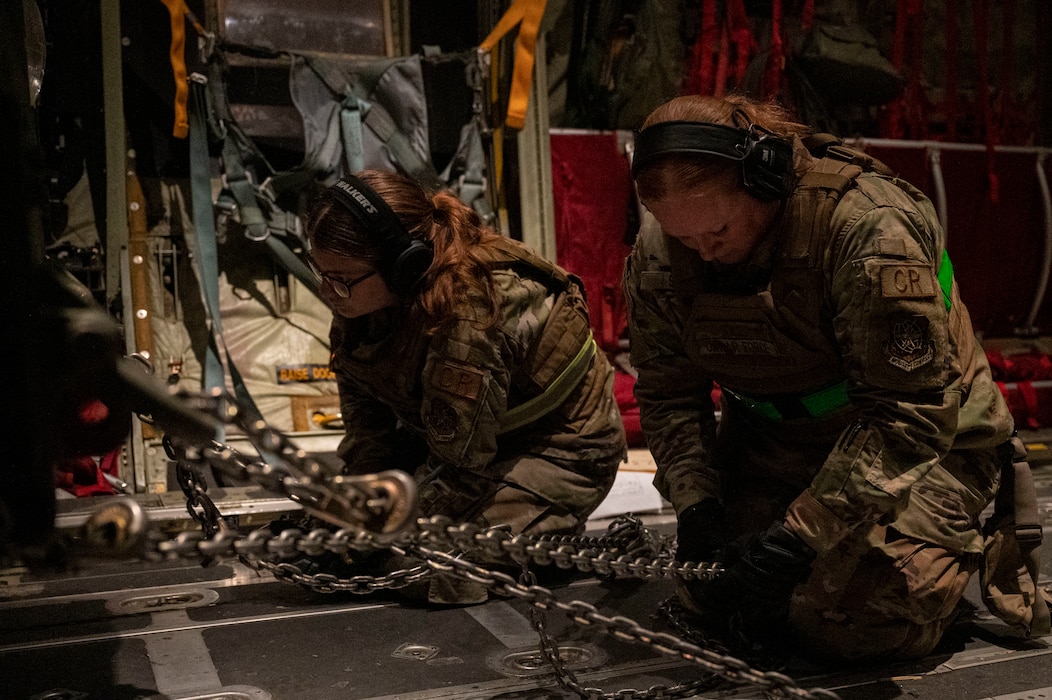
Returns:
(777, 347)
(556, 362)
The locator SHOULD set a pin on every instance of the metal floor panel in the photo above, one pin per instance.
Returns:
(123, 630)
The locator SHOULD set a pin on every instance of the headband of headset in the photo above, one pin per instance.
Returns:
(403, 259)
(766, 159)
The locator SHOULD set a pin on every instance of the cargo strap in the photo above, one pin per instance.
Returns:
(356, 111)
(527, 15)
(177, 12)
(254, 201)
(556, 392)
(814, 405)
(1028, 529)
(207, 257)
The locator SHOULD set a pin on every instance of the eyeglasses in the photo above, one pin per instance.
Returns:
(341, 288)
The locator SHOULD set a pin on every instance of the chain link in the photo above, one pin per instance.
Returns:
(727, 667)
(372, 516)
(567, 679)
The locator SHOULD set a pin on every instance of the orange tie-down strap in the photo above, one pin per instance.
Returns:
(527, 15)
(178, 12)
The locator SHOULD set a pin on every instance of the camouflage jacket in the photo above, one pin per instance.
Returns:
(454, 389)
(844, 293)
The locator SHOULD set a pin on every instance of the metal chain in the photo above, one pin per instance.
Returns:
(727, 667)
(567, 679)
(287, 469)
(613, 554)
(627, 550)
(290, 543)
(199, 505)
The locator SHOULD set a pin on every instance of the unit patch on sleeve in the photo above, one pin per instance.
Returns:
(909, 345)
(458, 379)
(442, 420)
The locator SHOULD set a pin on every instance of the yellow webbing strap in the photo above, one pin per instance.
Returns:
(176, 52)
(178, 13)
(527, 15)
(555, 394)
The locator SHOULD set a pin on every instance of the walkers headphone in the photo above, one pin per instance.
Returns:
(766, 158)
(403, 259)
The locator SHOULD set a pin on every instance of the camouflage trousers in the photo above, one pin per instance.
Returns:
(880, 594)
(560, 504)
(885, 591)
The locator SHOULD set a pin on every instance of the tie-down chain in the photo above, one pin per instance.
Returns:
(375, 512)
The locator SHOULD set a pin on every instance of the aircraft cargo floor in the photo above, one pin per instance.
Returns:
(178, 630)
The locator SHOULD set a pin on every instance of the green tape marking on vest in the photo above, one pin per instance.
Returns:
(817, 404)
(946, 278)
(766, 409)
(826, 400)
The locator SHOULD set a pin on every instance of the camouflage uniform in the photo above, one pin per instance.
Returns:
(437, 405)
(856, 404)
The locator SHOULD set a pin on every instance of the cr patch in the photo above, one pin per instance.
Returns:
(906, 282)
(458, 379)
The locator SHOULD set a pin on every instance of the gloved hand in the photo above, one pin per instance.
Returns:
(701, 532)
(754, 591)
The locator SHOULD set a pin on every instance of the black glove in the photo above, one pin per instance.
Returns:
(756, 588)
(701, 532)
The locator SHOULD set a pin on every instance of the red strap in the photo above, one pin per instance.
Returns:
(897, 115)
(982, 31)
(1015, 127)
(1029, 394)
(608, 330)
(1007, 64)
(807, 15)
(110, 462)
(952, 97)
(915, 95)
(742, 36)
(81, 476)
(891, 118)
(772, 79)
(723, 64)
(700, 78)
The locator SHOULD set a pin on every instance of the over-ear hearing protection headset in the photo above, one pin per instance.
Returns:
(766, 159)
(403, 259)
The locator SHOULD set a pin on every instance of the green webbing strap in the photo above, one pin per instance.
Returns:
(826, 400)
(244, 192)
(258, 226)
(764, 408)
(351, 130)
(381, 124)
(555, 394)
(291, 262)
(403, 152)
(207, 268)
(817, 404)
(946, 278)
